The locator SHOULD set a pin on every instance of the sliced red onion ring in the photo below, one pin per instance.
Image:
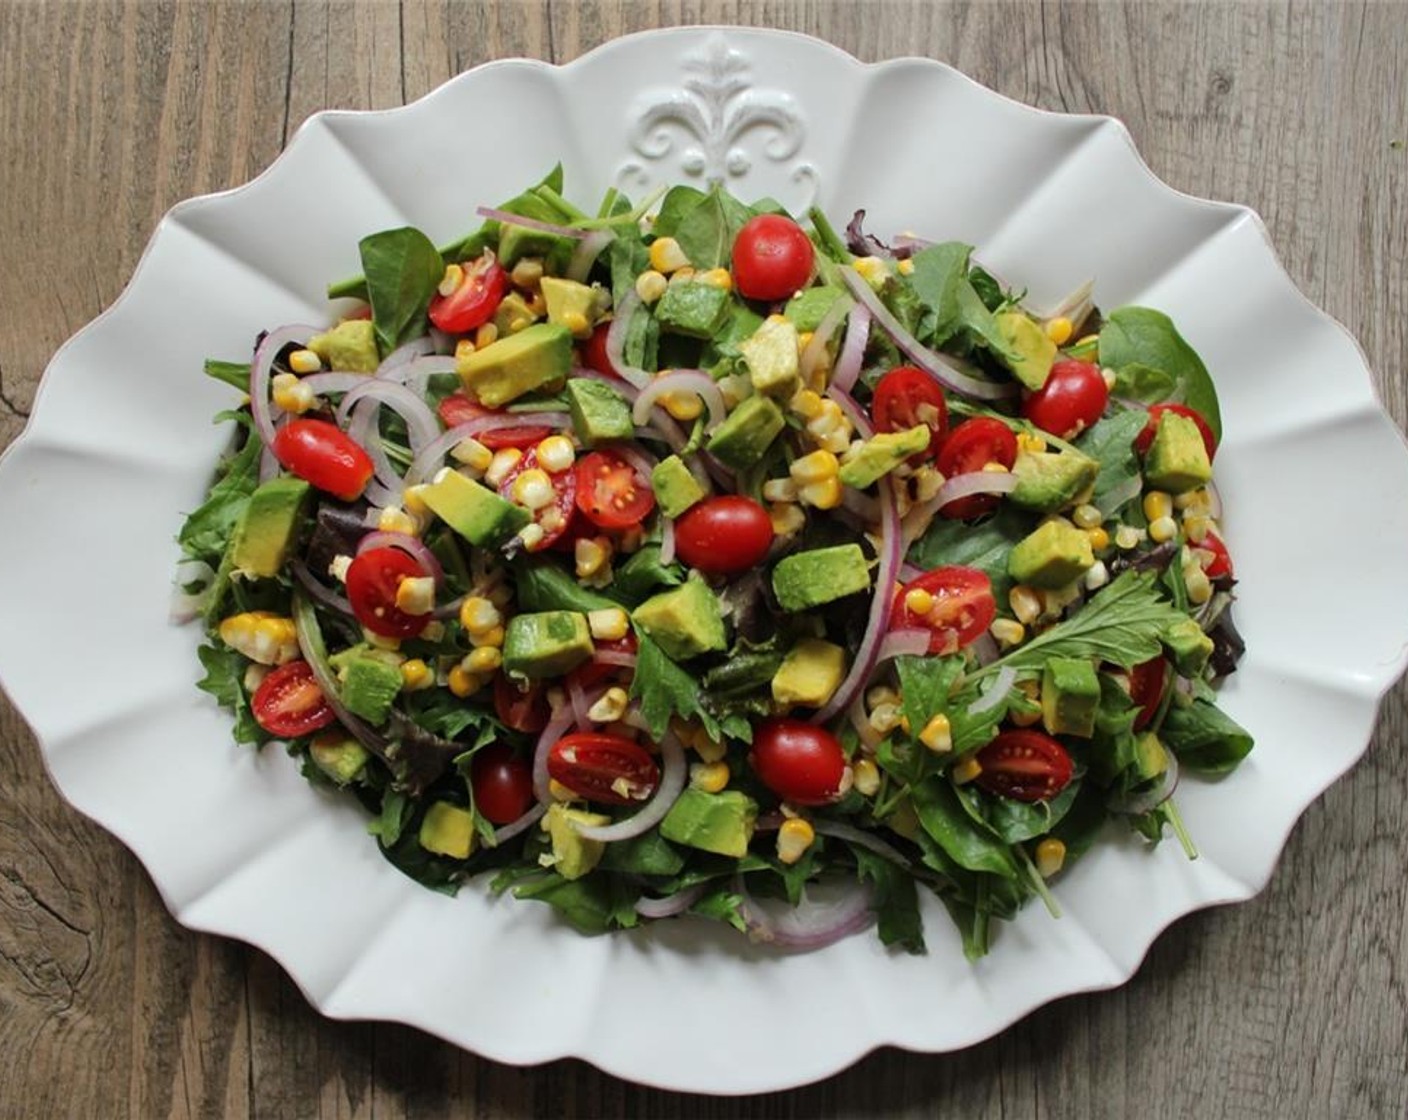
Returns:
(815, 350)
(405, 354)
(319, 590)
(866, 508)
(530, 223)
(268, 465)
(910, 242)
(386, 487)
(416, 373)
(1135, 804)
(619, 657)
(809, 925)
(862, 839)
(672, 779)
(984, 648)
(558, 723)
(911, 642)
(667, 540)
(522, 824)
(421, 425)
(996, 693)
(848, 361)
(856, 714)
(676, 903)
(909, 573)
(322, 383)
(261, 372)
(681, 381)
(642, 462)
(586, 253)
(949, 372)
(580, 704)
(917, 520)
(616, 342)
(413, 547)
(854, 413)
(431, 457)
(625, 388)
(1115, 498)
(187, 605)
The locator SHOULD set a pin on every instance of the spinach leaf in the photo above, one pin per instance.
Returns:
(440, 713)
(1110, 442)
(402, 268)
(207, 530)
(926, 684)
(938, 272)
(234, 374)
(985, 546)
(646, 854)
(639, 577)
(591, 904)
(894, 900)
(1140, 336)
(1015, 821)
(674, 207)
(722, 905)
(224, 680)
(1205, 738)
(706, 230)
(964, 842)
(1144, 383)
(543, 586)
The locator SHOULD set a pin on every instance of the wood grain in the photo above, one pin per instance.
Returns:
(1291, 1005)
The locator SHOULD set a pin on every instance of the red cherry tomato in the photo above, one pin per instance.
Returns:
(970, 447)
(594, 355)
(502, 784)
(963, 608)
(772, 258)
(595, 671)
(1221, 559)
(458, 409)
(289, 703)
(604, 768)
(610, 492)
(1072, 399)
(555, 517)
(372, 581)
(1146, 689)
(474, 302)
(723, 535)
(1146, 437)
(324, 455)
(908, 396)
(1024, 765)
(798, 761)
(523, 710)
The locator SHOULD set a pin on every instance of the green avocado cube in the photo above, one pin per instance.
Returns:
(447, 830)
(599, 412)
(747, 433)
(881, 454)
(349, 347)
(513, 314)
(340, 757)
(810, 674)
(1188, 647)
(517, 242)
(1070, 696)
(693, 308)
(820, 575)
(1048, 481)
(1052, 556)
(546, 644)
(266, 530)
(722, 823)
(771, 355)
(684, 621)
(473, 511)
(1178, 458)
(569, 304)
(807, 309)
(1030, 352)
(369, 686)
(536, 357)
(1150, 757)
(676, 489)
(573, 855)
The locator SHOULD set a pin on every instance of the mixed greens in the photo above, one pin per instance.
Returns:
(683, 557)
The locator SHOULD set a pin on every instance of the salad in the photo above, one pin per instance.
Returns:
(684, 557)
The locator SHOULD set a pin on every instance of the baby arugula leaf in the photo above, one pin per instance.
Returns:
(1142, 337)
(402, 268)
(665, 690)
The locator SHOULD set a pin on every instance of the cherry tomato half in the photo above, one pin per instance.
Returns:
(1146, 689)
(798, 761)
(372, 581)
(323, 454)
(970, 447)
(604, 768)
(458, 409)
(1146, 437)
(555, 517)
(289, 703)
(1221, 559)
(908, 396)
(474, 302)
(723, 535)
(1024, 765)
(502, 784)
(594, 355)
(610, 492)
(1072, 399)
(772, 258)
(964, 607)
(523, 710)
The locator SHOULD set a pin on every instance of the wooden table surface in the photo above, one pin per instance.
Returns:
(1295, 1004)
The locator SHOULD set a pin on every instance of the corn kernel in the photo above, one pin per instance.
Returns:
(1025, 603)
(501, 464)
(822, 495)
(1109, 376)
(905, 267)
(472, 454)
(577, 323)
(493, 637)
(484, 660)
(1099, 539)
(1087, 516)
(304, 361)
(1193, 501)
(1059, 329)
(717, 278)
(478, 615)
(292, 395)
(486, 335)
(779, 490)
(558, 792)
(1050, 856)
(591, 554)
(338, 568)
(1007, 632)
(683, 406)
(393, 520)
(463, 683)
(463, 349)
(927, 484)
(884, 717)
(1196, 526)
(873, 270)
(1198, 585)
(816, 467)
(787, 518)
(710, 777)
(682, 275)
(650, 286)
(881, 694)
(1031, 443)
(867, 777)
(254, 675)
(556, 454)
(416, 675)
(666, 256)
(1096, 576)
(1127, 537)
(261, 636)
(451, 281)
(1157, 504)
(531, 536)
(610, 624)
(918, 601)
(1163, 529)
(965, 771)
(533, 489)
(806, 404)
(527, 273)
(793, 839)
(937, 734)
(416, 595)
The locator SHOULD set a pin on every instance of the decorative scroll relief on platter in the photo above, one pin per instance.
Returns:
(716, 127)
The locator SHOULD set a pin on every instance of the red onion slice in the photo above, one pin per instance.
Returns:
(530, 223)
(943, 369)
(616, 342)
(916, 521)
(809, 925)
(386, 486)
(416, 373)
(421, 425)
(558, 723)
(856, 714)
(681, 381)
(1114, 499)
(854, 413)
(586, 253)
(672, 779)
(319, 590)
(667, 540)
(862, 839)
(431, 457)
(405, 354)
(619, 657)
(676, 903)
(815, 350)
(909, 573)
(522, 824)
(413, 547)
(848, 361)
(323, 383)
(912, 642)
(984, 649)
(996, 694)
(862, 505)
(580, 704)
(261, 374)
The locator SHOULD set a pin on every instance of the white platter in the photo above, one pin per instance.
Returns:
(121, 445)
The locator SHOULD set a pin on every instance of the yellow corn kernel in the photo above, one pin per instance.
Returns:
(486, 335)
(451, 281)
(867, 777)
(1109, 376)
(416, 595)
(650, 285)
(338, 568)
(577, 323)
(1025, 603)
(1059, 329)
(527, 273)
(494, 637)
(558, 792)
(793, 839)
(531, 536)
(905, 267)
(873, 270)
(611, 707)
(918, 601)
(819, 466)
(609, 624)
(393, 520)
(292, 395)
(927, 484)
(463, 349)
(416, 675)
(937, 734)
(710, 777)
(591, 554)
(254, 675)
(884, 717)
(304, 361)
(682, 275)
(804, 339)
(1087, 516)
(533, 489)
(995, 468)
(779, 490)
(1099, 539)
(881, 694)
(1163, 529)
(787, 518)
(261, 636)
(1088, 340)
(1199, 586)
(473, 454)
(683, 406)
(484, 660)
(501, 464)
(717, 278)
(1157, 504)
(806, 404)
(1030, 442)
(478, 615)
(1096, 576)
(463, 683)
(1196, 526)
(1007, 632)
(822, 495)
(1050, 856)
(965, 771)
(666, 256)
(1127, 537)
(556, 454)
(1193, 501)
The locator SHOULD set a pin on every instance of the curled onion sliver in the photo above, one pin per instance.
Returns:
(320, 383)
(667, 540)
(912, 642)
(619, 657)
(421, 425)
(386, 486)
(411, 546)
(808, 925)
(996, 693)
(681, 381)
(984, 649)
(854, 413)
(508, 218)
(861, 838)
(815, 350)
(674, 904)
(917, 520)
(1110, 502)
(672, 779)
(405, 353)
(558, 723)
(522, 824)
(856, 714)
(586, 253)
(848, 361)
(261, 374)
(616, 341)
(319, 590)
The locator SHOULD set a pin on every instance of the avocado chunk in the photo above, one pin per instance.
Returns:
(369, 686)
(1178, 458)
(683, 621)
(693, 308)
(1052, 556)
(810, 673)
(517, 242)
(745, 436)
(513, 315)
(772, 359)
(570, 304)
(1150, 756)
(447, 830)
(807, 309)
(339, 756)
(1030, 351)
(675, 488)
(1048, 480)
(546, 644)
(350, 347)
(722, 823)
(535, 357)
(1188, 647)
(473, 511)
(881, 454)
(820, 575)
(599, 412)
(1070, 696)
(573, 855)
(266, 530)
